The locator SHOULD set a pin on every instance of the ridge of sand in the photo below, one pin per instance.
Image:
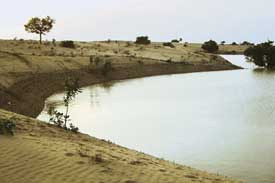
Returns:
(42, 153)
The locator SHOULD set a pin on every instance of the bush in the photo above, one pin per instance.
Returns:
(169, 45)
(7, 127)
(67, 44)
(143, 40)
(210, 46)
(175, 41)
(234, 44)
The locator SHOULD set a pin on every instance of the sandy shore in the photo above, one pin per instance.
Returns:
(43, 153)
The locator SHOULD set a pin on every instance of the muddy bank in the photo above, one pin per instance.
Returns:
(27, 96)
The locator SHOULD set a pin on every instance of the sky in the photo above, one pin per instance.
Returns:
(161, 20)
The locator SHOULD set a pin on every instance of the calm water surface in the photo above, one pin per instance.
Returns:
(222, 122)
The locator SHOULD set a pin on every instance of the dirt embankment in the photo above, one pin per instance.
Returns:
(30, 72)
(27, 95)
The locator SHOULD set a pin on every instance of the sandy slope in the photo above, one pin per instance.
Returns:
(42, 153)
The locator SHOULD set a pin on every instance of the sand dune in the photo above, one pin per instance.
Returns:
(42, 153)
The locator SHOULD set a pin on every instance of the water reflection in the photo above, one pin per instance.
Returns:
(216, 121)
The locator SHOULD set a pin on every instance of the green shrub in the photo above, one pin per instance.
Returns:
(7, 127)
(143, 40)
(67, 44)
(210, 46)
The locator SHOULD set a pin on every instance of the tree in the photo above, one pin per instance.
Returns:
(262, 55)
(72, 88)
(210, 46)
(39, 26)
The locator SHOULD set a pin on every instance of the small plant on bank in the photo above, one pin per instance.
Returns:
(72, 88)
(7, 127)
(210, 46)
(67, 44)
(143, 40)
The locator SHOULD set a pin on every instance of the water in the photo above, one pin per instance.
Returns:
(222, 122)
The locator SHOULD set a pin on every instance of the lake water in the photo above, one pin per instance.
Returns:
(222, 122)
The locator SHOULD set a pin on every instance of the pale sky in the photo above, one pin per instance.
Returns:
(161, 20)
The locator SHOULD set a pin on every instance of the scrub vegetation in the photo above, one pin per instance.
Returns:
(262, 54)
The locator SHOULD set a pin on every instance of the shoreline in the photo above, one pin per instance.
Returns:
(27, 97)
